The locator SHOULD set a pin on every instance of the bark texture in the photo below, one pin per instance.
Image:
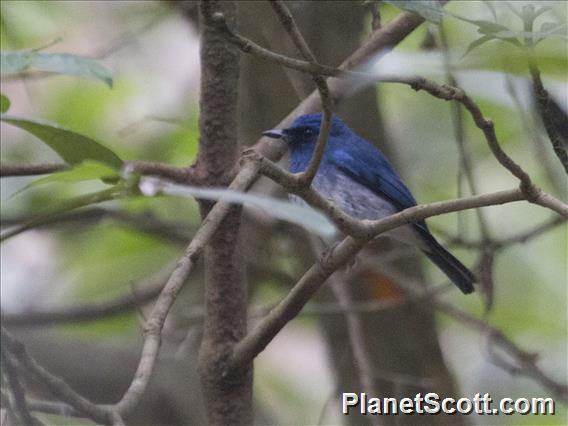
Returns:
(228, 394)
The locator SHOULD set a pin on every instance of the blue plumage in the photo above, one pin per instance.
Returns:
(360, 180)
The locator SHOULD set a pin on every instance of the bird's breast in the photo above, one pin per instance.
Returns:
(350, 196)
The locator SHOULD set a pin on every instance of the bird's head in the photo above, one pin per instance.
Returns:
(305, 129)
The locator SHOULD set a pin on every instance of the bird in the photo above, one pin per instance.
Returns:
(357, 177)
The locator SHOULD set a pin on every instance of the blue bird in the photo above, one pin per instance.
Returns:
(358, 178)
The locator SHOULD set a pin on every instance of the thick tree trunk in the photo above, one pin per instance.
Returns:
(228, 394)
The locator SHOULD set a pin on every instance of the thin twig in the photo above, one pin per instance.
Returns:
(248, 46)
(10, 170)
(527, 361)
(255, 342)
(532, 193)
(363, 362)
(51, 407)
(257, 339)
(529, 234)
(145, 222)
(57, 386)
(500, 244)
(20, 405)
(388, 36)
(355, 331)
(155, 323)
(183, 175)
(368, 228)
(64, 207)
(287, 20)
(459, 131)
(88, 311)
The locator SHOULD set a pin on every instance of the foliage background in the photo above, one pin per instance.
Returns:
(151, 113)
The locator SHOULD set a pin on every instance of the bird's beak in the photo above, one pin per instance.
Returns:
(274, 133)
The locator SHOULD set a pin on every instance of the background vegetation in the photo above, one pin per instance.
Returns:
(151, 111)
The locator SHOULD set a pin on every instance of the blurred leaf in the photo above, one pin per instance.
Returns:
(430, 10)
(483, 26)
(304, 216)
(60, 63)
(51, 213)
(490, 29)
(551, 59)
(73, 147)
(491, 8)
(548, 29)
(88, 170)
(512, 9)
(542, 10)
(528, 14)
(481, 40)
(107, 260)
(4, 103)
(535, 35)
(551, 27)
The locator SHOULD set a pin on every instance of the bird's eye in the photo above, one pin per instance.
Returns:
(309, 132)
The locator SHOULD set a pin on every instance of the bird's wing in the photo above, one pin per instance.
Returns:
(371, 169)
(367, 166)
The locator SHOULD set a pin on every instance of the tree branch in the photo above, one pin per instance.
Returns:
(532, 193)
(57, 386)
(155, 322)
(145, 222)
(10, 170)
(87, 311)
(527, 361)
(398, 27)
(248, 348)
(183, 175)
(500, 244)
(307, 176)
(387, 36)
(20, 405)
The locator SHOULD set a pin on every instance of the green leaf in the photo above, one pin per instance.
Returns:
(535, 35)
(430, 10)
(4, 103)
(491, 8)
(492, 30)
(550, 29)
(512, 9)
(60, 63)
(543, 9)
(88, 170)
(302, 215)
(484, 27)
(66, 206)
(488, 27)
(73, 147)
(528, 14)
(476, 43)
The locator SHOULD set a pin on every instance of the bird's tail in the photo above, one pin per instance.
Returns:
(452, 267)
